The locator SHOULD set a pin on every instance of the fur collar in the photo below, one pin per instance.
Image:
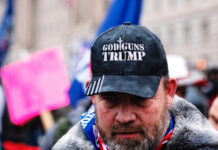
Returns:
(192, 130)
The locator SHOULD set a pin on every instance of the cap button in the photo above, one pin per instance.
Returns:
(127, 23)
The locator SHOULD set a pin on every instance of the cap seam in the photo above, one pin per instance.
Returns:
(155, 38)
(149, 34)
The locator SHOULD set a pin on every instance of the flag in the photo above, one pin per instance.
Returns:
(81, 75)
(6, 30)
(120, 11)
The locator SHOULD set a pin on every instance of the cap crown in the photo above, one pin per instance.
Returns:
(128, 50)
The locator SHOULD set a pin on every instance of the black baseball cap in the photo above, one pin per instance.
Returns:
(127, 59)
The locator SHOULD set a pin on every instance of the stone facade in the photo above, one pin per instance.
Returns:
(2, 8)
(44, 23)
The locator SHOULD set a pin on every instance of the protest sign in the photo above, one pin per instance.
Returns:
(34, 85)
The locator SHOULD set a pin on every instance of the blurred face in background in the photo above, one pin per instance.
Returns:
(213, 114)
(181, 91)
(130, 122)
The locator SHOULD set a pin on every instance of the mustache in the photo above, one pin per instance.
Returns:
(126, 128)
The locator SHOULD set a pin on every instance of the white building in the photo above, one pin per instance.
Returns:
(40, 24)
(186, 27)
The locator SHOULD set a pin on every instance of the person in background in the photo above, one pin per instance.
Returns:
(213, 113)
(64, 124)
(134, 103)
(189, 82)
(20, 137)
(2, 105)
(211, 89)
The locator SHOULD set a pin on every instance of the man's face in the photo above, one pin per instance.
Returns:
(126, 121)
(213, 114)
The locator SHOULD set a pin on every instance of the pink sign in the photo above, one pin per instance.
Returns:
(38, 84)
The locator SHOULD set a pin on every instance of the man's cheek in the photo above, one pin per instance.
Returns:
(104, 117)
(104, 110)
(151, 116)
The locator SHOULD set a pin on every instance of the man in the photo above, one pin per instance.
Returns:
(213, 114)
(133, 106)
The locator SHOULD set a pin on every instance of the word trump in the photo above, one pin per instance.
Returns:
(123, 51)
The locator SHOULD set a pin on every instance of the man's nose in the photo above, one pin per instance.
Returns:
(125, 114)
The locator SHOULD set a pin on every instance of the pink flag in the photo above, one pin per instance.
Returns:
(37, 84)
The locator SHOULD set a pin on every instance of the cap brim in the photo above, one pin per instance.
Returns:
(143, 86)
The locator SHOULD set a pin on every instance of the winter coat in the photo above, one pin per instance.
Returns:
(192, 131)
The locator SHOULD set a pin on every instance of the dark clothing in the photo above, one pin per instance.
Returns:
(64, 124)
(26, 133)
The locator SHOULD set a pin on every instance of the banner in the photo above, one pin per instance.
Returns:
(34, 85)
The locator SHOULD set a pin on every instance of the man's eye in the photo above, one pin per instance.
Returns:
(110, 101)
(138, 101)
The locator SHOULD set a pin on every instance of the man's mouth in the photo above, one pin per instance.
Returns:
(128, 134)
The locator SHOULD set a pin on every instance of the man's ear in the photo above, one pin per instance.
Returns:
(93, 96)
(93, 99)
(170, 91)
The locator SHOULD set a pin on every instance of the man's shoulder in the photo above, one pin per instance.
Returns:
(192, 129)
(75, 138)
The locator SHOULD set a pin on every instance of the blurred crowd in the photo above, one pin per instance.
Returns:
(197, 86)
